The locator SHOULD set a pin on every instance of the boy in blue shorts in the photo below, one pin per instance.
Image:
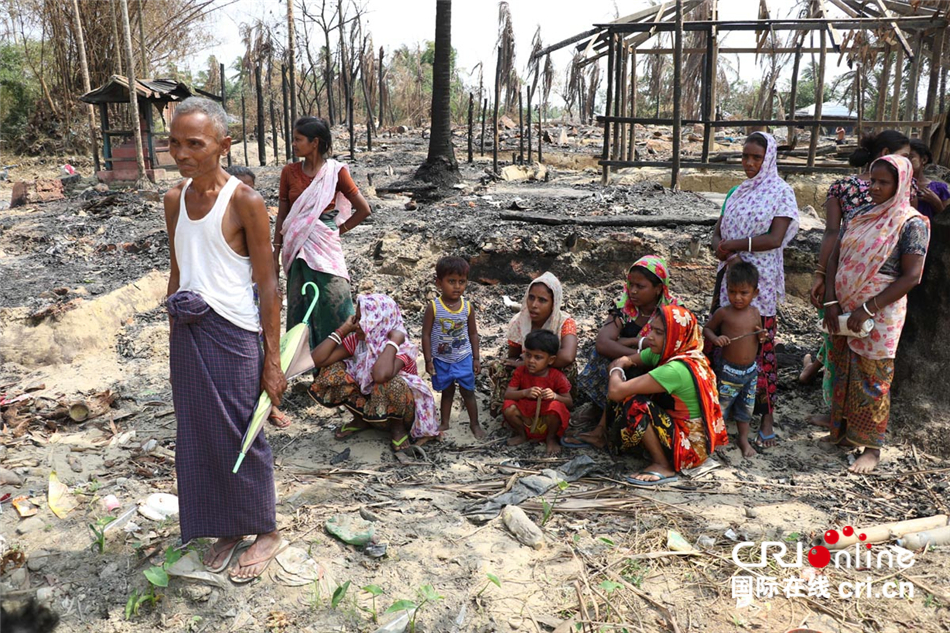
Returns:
(737, 328)
(450, 341)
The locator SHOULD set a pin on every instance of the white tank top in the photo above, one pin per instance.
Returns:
(208, 266)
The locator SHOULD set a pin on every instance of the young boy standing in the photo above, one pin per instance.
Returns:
(450, 341)
(737, 329)
(538, 398)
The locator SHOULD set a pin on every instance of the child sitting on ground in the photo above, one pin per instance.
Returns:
(734, 327)
(277, 417)
(538, 398)
(450, 341)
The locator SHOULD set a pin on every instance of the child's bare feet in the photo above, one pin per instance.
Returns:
(867, 462)
(746, 448)
(443, 427)
(822, 419)
(517, 440)
(553, 447)
(477, 430)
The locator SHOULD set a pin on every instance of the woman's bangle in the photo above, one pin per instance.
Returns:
(864, 306)
(620, 369)
(344, 228)
(750, 243)
(829, 303)
(820, 273)
(395, 346)
(640, 344)
(335, 338)
(277, 244)
(876, 306)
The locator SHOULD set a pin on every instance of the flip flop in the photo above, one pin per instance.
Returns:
(266, 560)
(651, 484)
(279, 419)
(227, 559)
(346, 430)
(398, 445)
(761, 439)
(574, 442)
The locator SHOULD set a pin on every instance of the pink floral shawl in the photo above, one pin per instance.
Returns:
(305, 234)
(749, 212)
(379, 315)
(868, 240)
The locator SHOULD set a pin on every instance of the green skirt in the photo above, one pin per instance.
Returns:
(334, 306)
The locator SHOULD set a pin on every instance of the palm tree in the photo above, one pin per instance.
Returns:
(441, 166)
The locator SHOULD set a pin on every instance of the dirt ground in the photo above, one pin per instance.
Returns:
(81, 318)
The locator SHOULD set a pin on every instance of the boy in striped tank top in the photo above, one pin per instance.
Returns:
(450, 341)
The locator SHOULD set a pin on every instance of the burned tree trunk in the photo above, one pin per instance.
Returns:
(86, 86)
(441, 167)
(292, 61)
(261, 143)
(133, 98)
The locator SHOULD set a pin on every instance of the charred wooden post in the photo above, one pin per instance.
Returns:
(381, 87)
(620, 95)
(244, 126)
(819, 97)
(528, 127)
(882, 85)
(936, 59)
(898, 71)
(677, 94)
(611, 46)
(482, 140)
(369, 108)
(273, 131)
(520, 129)
(224, 100)
(494, 149)
(631, 147)
(133, 93)
(292, 68)
(261, 143)
(910, 110)
(859, 86)
(288, 134)
(470, 107)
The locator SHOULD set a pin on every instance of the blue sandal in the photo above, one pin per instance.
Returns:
(761, 439)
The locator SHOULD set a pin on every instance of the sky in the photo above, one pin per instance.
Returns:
(475, 24)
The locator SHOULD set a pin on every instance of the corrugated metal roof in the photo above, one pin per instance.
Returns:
(116, 90)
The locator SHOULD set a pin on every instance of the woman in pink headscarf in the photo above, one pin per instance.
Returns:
(368, 365)
(760, 218)
(878, 260)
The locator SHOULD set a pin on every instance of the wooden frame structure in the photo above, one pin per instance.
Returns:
(623, 40)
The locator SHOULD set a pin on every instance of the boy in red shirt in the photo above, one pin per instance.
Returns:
(538, 398)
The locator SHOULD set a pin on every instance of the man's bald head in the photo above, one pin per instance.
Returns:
(209, 108)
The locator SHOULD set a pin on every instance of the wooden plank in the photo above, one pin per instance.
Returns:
(819, 97)
(831, 168)
(605, 174)
(936, 66)
(897, 31)
(607, 220)
(677, 95)
(910, 111)
(882, 86)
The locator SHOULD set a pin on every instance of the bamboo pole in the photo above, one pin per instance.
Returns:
(677, 95)
(882, 86)
(859, 97)
(620, 101)
(86, 85)
(273, 130)
(898, 71)
(884, 532)
(116, 38)
(380, 86)
(612, 39)
(819, 97)
(910, 110)
(133, 97)
(470, 148)
(708, 79)
(936, 59)
(142, 40)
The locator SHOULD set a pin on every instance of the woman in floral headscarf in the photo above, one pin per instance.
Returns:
(878, 260)
(369, 366)
(541, 309)
(673, 410)
(646, 290)
(759, 219)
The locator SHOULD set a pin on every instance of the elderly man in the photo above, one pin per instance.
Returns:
(219, 239)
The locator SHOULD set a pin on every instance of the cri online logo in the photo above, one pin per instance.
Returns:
(819, 556)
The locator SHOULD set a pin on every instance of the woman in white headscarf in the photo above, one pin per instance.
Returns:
(540, 310)
(759, 219)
